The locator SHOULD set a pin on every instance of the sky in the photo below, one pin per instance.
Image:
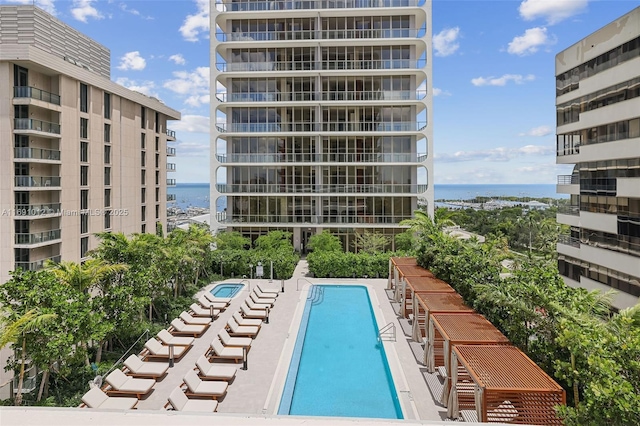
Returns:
(493, 76)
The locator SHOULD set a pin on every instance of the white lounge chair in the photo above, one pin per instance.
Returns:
(180, 402)
(95, 398)
(246, 321)
(211, 371)
(198, 387)
(206, 303)
(212, 298)
(122, 384)
(180, 328)
(252, 313)
(270, 301)
(256, 306)
(241, 330)
(190, 319)
(267, 292)
(169, 339)
(157, 350)
(223, 352)
(139, 368)
(199, 311)
(240, 342)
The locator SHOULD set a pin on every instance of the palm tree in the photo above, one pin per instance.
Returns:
(85, 276)
(16, 330)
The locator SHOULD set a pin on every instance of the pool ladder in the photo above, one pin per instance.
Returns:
(388, 333)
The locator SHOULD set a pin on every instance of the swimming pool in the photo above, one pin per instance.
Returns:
(226, 290)
(338, 367)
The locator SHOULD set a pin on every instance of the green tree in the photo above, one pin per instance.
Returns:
(370, 242)
(324, 241)
(231, 241)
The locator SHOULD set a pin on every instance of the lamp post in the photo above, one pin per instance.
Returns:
(251, 268)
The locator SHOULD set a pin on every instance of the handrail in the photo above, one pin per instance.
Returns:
(298, 282)
(248, 282)
(389, 328)
(144, 333)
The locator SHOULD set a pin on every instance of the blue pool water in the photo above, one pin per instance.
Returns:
(338, 367)
(226, 290)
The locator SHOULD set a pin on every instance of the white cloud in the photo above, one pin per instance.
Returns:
(440, 92)
(445, 42)
(530, 41)
(46, 5)
(178, 59)
(194, 84)
(83, 9)
(501, 81)
(553, 11)
(125, 8)
(145, 87)
(538, 131)
(132, 61)
(197, 24)
(192, 124)
(495, 154)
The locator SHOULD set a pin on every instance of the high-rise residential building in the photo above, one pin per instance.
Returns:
(598, 130)
(80, 154)
(323, 115)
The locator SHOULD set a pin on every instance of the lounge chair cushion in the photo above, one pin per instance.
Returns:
(215, 371)
(242, 329)
(96, 398)
(260, 301)
(206, 303)
(156, 348)
(212, 298)
(199, 387)
(122, 383)
(246, 321)
(199, 311)
(181, 327)
(267, 291)
(169, 339)
(250, 313)
(255, 306)
(141, 368)
(234, 341)
(189, 319)
(180, 402)
(224, 351)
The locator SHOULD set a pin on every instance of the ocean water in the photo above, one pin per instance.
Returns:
(197, 194)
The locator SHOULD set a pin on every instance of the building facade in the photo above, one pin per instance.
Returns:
(598, 131)
(323, 115)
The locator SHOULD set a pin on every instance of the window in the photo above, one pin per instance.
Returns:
(157, 143)
(157, 195)
(143, 159)
(84, 152)
(84, 223)
(107, 219)
(157, 122)
(143, 229)
(107, 154)
(84, 128)
(84, 199)
(84, 175)
(157, 211)
(143, 195)
(107, 132)
(107, 197)
(107, 175)
(157, 161)
(143, 177)
(143, 141)
(107, 105)
(84, 246)
(144, 213)
(143, 117)
(157, 178)
(84, 98)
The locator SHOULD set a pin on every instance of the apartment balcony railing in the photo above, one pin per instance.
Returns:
(171, 197)
(36, 154)
(309, 218)
(170, 133)
(171, 152)
(321, 158)
(568, 180)
(171, 182)
(621, 243)
(260, 5)
(37, 238)
(569, 240)
(376, 95)
(337, 34)
(321, 189)
(36, 265)
(361, 64)
(338, 126)
(570, 210)
(171, 167)
(39, 125)
(37, 209)
(37, 181)
(34, 93)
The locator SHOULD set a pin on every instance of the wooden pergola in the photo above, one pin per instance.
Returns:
(446, 330)
(425, 304)
(502, 386)
(424, 284)
(393, 271)
(405, 271)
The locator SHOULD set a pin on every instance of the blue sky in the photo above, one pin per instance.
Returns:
(493, 76)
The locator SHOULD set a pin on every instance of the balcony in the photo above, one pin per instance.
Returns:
(358, 65)
(171, 182)
(35, 211)
(171, 197)
(383, 189)
(171, 134)
(568, 180)
(338, 34)
(261, 5)
(38, 238)
(309, 218)
(569, 210)
(350, 95)
(46, 182)
(568, 240)
(171, 167)
(29, 124)
(321, 158)
(36, 265)
(171, 152)
(36, 155)
(37, 94)
(338, 126)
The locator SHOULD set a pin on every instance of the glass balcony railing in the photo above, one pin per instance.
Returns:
(568, 180)
(37, 238)
(37, 209)
(36, 265)
(338, 126)
(171, 182)
(321, 189)
(262, 5)
(321, 158)
(171, 197)
(377, 95)
(171, 151)
(309, 218)
(36, 154)
(39, 125)
(570, 210)
(569, 240)
(363, 64)
(338, 34)
(37, 181)
(171, 167)
(34, 93)
(170, 133)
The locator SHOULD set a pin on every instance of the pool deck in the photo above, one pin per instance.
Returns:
(255, 392)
